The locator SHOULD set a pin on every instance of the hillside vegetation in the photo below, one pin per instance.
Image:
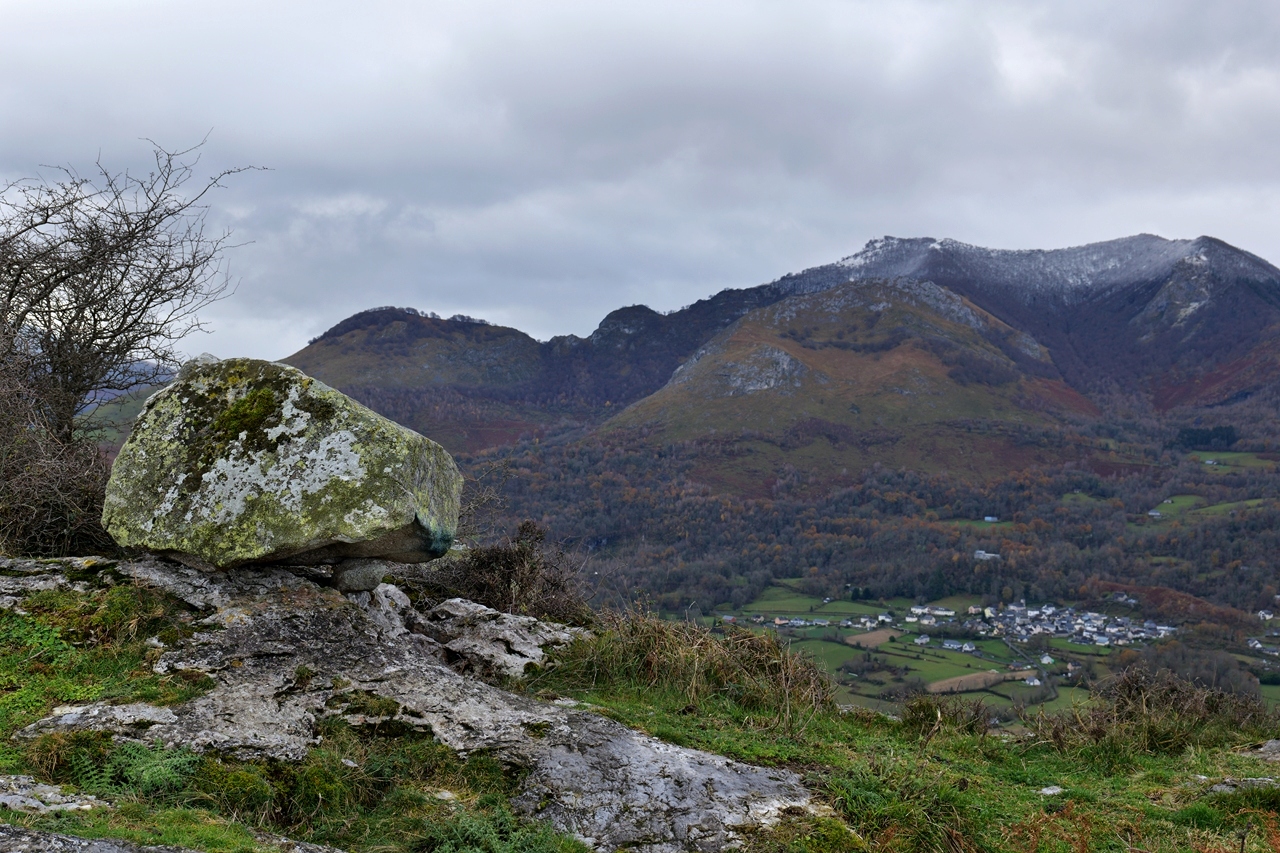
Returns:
(1147, 765)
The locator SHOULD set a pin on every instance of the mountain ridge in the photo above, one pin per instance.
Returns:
(1190, 324)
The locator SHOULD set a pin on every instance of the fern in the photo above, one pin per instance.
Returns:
(135, 768)
(152, 770)
(90, 772)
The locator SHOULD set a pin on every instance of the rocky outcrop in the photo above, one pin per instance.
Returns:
(283, 652)
(243, 462)
(487, 642)
(17, 839)
(24, 794)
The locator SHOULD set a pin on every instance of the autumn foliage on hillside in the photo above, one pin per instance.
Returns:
(1068, 533)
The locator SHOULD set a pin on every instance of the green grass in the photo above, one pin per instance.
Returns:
(1234, 459)
(829, 655)
(931, 779)
(356, 791)
(934, 780)
(1179, 505)
(1227, 508)
(932, 664)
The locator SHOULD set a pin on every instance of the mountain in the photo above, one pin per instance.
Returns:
(895, 371)
(912, 352)
(474, 385)
(1185, 322)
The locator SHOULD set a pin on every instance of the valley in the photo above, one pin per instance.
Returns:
(852, 427)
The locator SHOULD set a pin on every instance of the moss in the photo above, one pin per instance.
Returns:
(247, 419)
(237, 480)
(365, 703)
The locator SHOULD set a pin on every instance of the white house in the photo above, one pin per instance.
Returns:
(922, 640)
(984, 555)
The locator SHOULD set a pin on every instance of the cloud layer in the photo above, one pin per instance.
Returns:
(540, 164)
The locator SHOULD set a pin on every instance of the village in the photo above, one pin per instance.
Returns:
(1016, 622)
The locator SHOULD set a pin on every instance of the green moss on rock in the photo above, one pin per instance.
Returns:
(245, 461)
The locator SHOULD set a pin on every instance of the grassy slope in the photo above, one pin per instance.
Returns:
(927, 783)
(922, 783)
(358, 791)
(845, 410)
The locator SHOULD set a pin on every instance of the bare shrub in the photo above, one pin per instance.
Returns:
(519, 575)
(1141, 711)
(50, 490)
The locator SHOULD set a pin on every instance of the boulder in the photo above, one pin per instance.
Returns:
(243, 462)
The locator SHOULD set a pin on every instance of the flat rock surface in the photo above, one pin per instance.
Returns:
(17, 839)
(24, 794)
(284, 652)
(245, 461)
(489, 642)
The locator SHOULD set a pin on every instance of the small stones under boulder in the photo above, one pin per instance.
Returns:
(243, 462)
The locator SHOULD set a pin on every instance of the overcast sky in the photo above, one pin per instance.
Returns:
(541, 163)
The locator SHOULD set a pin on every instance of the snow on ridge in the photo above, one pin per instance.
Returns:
(1071, 272)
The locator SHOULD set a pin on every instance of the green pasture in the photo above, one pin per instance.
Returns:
(1080, 498)
(1233, 459)
(1271, 692)
(959, 603)
(1227, 508)
(830, 655)
(932, 665)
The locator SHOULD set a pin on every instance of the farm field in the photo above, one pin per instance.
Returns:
(905, 663)
(872, 639)
(1236, 459)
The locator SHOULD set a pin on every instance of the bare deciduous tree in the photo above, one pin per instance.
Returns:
(100, 277)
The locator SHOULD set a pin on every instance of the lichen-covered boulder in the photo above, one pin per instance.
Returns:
(244, 461)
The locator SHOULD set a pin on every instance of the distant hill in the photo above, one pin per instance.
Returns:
(918, 352)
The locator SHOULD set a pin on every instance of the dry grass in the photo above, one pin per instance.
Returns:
(50, 490)
(754, 671)
(1155, 713)
(520, 575)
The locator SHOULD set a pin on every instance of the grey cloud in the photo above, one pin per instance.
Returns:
(542, 163)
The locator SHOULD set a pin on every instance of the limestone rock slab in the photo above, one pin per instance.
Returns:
(490, 643)
(284, 652)
(244, 461)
